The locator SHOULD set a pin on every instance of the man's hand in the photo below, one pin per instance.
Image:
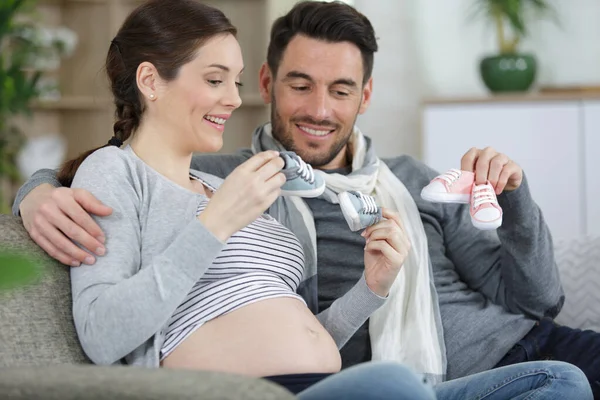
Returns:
(52, 216)
(489, 165)
(386, 249)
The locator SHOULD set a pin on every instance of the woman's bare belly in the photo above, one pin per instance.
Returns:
(270, 337)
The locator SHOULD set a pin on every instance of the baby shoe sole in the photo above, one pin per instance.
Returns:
(350, 213)
(316, 192)
(437, 197)
(487, 225)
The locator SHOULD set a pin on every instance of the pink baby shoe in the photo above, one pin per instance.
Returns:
(454, 186)
(486, 214)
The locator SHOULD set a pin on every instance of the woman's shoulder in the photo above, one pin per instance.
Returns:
(107, 165)
(107, 158)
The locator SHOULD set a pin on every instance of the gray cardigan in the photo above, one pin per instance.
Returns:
(156, 250)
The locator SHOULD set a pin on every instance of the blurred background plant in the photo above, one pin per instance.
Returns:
(508, 70)
(516, 15)
(27, 50)
(17, 270)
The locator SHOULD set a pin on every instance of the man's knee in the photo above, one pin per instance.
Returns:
(576, 378)
(569, 379)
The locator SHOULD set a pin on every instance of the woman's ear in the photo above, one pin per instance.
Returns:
(147, 80)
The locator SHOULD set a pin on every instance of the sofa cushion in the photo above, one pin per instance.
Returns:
(69, 382)
(36, 321)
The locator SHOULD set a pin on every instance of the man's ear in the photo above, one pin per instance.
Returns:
(366, 96)
(265, 83)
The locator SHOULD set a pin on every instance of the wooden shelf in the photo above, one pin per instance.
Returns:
(63, 2)
(92, 103)
(513, 97)
(73, 103)
(252, 100)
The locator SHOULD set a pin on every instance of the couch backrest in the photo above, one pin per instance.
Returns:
(36, 323)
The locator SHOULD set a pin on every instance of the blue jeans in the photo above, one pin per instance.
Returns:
(550, 341)
(371, 381)
(548, 380)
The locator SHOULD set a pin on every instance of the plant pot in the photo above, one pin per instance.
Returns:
(508, 72)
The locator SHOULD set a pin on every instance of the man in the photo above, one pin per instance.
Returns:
(497, 292)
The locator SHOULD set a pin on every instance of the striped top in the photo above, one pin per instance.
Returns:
(262, 261)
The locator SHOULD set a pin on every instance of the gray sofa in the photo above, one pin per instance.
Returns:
(40, 356)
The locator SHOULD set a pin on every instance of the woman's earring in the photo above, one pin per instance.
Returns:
(151, 96)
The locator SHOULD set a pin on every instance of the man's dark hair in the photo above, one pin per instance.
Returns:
(331, 22)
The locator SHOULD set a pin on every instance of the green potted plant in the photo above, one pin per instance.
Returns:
(510, 70)
(24, 46)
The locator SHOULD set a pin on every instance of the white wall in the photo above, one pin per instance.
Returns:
(451, 45)
(398, 85)
(431, 48)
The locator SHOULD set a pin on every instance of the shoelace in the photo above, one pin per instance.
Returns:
(451, 176)
(305, 170)
(484, 194)
(368, 202)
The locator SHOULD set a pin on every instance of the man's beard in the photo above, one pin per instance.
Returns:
(287, 140)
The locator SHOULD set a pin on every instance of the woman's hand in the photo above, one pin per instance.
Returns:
(246, 193)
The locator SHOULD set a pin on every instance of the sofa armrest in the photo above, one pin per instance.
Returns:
(70, 382)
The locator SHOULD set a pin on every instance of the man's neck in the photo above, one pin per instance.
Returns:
(347, 170)
(341, 160)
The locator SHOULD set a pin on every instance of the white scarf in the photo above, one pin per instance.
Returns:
(407, 328)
